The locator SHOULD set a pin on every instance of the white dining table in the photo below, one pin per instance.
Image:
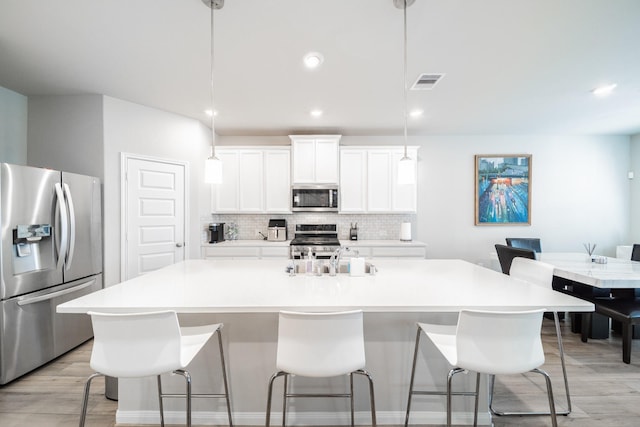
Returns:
(615, 273)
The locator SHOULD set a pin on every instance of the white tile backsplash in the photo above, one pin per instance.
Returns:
(370, 226)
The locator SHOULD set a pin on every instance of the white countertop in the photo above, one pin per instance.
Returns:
(356, 243)
(343, 242)
(253, 242)
(616, 273)
(255, 286)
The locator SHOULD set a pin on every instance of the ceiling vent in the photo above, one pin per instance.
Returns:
(426, 81)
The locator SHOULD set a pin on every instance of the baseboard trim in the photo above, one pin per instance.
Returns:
(301, 418)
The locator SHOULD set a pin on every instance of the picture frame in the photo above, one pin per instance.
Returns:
(502, 189)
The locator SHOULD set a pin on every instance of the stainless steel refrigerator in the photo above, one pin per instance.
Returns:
(51, 252)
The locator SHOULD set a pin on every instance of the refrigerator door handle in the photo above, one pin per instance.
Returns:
(64, 222)
(72, 227)
(52, 295)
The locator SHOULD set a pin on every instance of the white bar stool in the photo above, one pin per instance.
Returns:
(320, 345)
(486, 342)
(541, 274)
(145, 344)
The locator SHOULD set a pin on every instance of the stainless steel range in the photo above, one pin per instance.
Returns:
(322, 239)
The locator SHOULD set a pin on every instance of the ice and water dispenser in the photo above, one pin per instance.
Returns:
(33, 248)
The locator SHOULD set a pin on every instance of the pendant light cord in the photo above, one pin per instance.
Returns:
(213, 135)
(405, 77)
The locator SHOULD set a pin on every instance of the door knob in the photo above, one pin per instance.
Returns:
(178, 245)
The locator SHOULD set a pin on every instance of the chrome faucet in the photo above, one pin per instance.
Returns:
(334, 261)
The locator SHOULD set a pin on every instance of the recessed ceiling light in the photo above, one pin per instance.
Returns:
(604, 90)
(208, 113)
(313, 60)
(316, 113)
(416, 113)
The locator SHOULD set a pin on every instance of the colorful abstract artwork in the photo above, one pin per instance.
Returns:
(503, 189)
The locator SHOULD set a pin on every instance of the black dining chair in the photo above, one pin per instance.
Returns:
(506, 254)
(532, 243)
(635, 252)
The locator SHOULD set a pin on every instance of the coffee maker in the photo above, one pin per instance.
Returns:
(216, 231)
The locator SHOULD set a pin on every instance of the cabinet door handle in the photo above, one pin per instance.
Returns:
(178, 245)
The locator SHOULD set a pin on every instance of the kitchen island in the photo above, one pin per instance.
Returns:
(247, 294)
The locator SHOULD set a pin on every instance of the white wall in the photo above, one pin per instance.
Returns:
(137, 129)
(65, 133)
(13, 127)
(634, 194)
(579, 193)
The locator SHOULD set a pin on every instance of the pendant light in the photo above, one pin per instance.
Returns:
(213, 165)
(406, 166)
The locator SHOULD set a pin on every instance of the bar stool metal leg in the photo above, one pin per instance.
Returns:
(285, 391)
(413, 374)
(269, 394)
(224, 377)
(564, 374)
(85, 399)
(372, 400)
(160, 403)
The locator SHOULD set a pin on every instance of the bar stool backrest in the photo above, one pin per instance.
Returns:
(320, 344)
(499, 342)
(135, 345)
(506, 254)
(532, 271)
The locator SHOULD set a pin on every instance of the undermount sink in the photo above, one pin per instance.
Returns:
(343, 268)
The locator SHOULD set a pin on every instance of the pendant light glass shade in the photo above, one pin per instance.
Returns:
(213, 171)
(406, 171)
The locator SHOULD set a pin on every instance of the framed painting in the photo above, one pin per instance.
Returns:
(503, 189)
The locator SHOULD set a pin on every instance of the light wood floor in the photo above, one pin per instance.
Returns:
(604, 391)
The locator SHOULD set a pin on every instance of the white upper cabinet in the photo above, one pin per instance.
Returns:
(277, 180)
(369, 182)
(251, 181)
(353, 180)
(254, 180)
(315, 158)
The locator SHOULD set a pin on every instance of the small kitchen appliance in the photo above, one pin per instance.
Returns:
(353, 231)
(216, 231)
(314, 198)
(277, 231)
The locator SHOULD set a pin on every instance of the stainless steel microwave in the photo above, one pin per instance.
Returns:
(314, 198)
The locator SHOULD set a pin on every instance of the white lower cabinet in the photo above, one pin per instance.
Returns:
(391, 250)
(254, 180)
(223, 251)
(368, 181)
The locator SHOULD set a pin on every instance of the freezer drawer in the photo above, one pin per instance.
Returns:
(32, 333)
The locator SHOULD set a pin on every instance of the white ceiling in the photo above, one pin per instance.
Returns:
(512, 66)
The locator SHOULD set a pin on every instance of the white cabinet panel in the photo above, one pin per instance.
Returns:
(326, 164)
(353, 180)
(304, 160)
(315, 158)
(379, 182)
(251, 181)
(277, 180)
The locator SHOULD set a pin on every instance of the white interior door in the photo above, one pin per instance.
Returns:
(155, 214)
